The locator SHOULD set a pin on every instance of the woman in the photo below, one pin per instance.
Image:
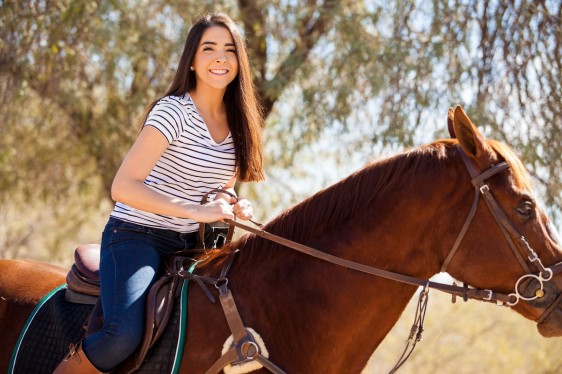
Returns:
(204, 133)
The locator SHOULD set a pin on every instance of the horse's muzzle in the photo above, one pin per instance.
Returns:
(549, 323)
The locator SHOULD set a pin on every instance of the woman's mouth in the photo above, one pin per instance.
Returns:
(218, 71)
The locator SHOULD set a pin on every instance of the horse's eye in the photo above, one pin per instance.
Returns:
(526, 209)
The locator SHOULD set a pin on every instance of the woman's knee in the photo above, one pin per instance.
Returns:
(124, 339)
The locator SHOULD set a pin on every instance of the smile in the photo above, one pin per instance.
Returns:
(219, 71)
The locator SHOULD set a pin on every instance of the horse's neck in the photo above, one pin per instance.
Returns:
(324, 310)
(318, 317)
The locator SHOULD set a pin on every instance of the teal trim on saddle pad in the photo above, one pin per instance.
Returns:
(183, 323)
(28, 322)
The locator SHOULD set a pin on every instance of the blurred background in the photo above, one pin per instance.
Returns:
(343, 83)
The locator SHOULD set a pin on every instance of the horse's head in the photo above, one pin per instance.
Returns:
(510, 244)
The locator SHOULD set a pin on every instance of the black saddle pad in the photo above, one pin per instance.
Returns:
(51, 327)
(56, 323)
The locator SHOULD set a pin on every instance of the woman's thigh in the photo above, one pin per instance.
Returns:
(128, 267)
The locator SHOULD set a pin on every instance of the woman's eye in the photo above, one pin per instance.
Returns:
(231, 50)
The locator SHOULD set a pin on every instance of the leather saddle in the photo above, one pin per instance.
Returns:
(83, 286)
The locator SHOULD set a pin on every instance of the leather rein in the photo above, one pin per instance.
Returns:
(510, 233)
(465, 291)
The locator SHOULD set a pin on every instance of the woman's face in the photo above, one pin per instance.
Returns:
(216, 61)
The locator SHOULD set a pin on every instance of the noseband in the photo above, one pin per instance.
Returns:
(510, 233)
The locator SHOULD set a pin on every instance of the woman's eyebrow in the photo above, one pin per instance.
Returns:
(215, 43)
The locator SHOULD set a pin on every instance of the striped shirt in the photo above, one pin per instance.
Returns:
(192, 164)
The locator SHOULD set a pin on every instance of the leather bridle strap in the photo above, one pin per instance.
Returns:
(477, 181)
(505, 225)
(465, 292)
(550, 309)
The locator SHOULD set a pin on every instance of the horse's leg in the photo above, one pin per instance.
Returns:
(22, 285)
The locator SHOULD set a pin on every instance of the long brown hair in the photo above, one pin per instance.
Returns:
(244, 113)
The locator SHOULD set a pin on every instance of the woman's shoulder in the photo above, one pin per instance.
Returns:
(184, 101)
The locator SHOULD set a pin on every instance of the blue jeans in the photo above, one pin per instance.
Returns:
(129, 262)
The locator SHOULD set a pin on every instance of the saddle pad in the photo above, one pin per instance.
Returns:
(55, 323)
(51, 327)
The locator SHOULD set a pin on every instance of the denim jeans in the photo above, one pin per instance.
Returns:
(129, 261)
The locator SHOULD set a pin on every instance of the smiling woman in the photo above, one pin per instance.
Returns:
(203, 134)
(215, 66)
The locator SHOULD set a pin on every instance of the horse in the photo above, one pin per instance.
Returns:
(412, 214)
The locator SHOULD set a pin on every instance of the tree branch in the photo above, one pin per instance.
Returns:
(309, 34)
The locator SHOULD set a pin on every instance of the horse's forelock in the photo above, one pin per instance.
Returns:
(521, 177)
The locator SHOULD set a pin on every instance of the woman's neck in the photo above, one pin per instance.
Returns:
(208, 101)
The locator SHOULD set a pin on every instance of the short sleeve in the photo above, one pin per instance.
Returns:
(166, 117)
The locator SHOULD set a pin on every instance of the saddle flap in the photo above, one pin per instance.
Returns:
(159, 307)
(79, 284)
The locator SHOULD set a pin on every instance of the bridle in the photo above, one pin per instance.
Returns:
(507, 229)
(510, 233)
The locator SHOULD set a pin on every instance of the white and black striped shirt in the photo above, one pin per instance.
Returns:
(192, 164)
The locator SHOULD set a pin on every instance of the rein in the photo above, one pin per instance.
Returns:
(465, 291)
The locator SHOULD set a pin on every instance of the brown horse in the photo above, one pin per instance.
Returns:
(403, 214)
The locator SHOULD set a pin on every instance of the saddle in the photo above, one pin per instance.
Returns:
(84, 288)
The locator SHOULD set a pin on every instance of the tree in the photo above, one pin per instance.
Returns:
(76, 76)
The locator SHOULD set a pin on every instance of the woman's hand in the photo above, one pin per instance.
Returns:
(216, 210)
(243, 209)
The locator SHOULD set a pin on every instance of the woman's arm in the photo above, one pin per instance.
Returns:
(129, 188)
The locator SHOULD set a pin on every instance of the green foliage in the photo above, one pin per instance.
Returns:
(76, 76)
(341, 81)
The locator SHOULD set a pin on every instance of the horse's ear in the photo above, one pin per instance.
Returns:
(470, 139)
(450, 116)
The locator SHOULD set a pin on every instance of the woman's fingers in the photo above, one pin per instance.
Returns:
(243, 209)
(216, 210)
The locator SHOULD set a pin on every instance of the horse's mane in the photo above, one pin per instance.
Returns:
(335, 204)
(342, 200)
